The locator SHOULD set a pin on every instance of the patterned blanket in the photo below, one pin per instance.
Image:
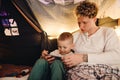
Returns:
(93, 72)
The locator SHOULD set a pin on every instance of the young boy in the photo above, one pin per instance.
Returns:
(43, 70)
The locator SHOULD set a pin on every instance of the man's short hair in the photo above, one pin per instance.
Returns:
(87, 9)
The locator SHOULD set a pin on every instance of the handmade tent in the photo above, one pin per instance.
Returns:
(25, 25)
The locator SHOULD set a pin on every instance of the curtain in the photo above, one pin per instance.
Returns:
(24, 9)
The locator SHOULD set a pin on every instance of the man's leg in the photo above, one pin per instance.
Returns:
(40, 70)
(57, 70)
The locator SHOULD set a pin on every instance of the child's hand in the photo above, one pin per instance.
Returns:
(44, 53)
(47, 57)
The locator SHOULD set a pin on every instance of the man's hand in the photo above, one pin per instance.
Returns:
(73, 59)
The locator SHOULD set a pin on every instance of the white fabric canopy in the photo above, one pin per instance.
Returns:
(108, 8)
(56, 16)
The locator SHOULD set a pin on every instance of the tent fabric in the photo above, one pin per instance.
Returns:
(54, 17)
(59, 14)
(23, 5)
(61, 2)
(108, 8)
(26, 46)
(24, 9)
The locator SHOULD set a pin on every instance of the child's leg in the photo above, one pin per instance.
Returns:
(57, 70)
(40, 70)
